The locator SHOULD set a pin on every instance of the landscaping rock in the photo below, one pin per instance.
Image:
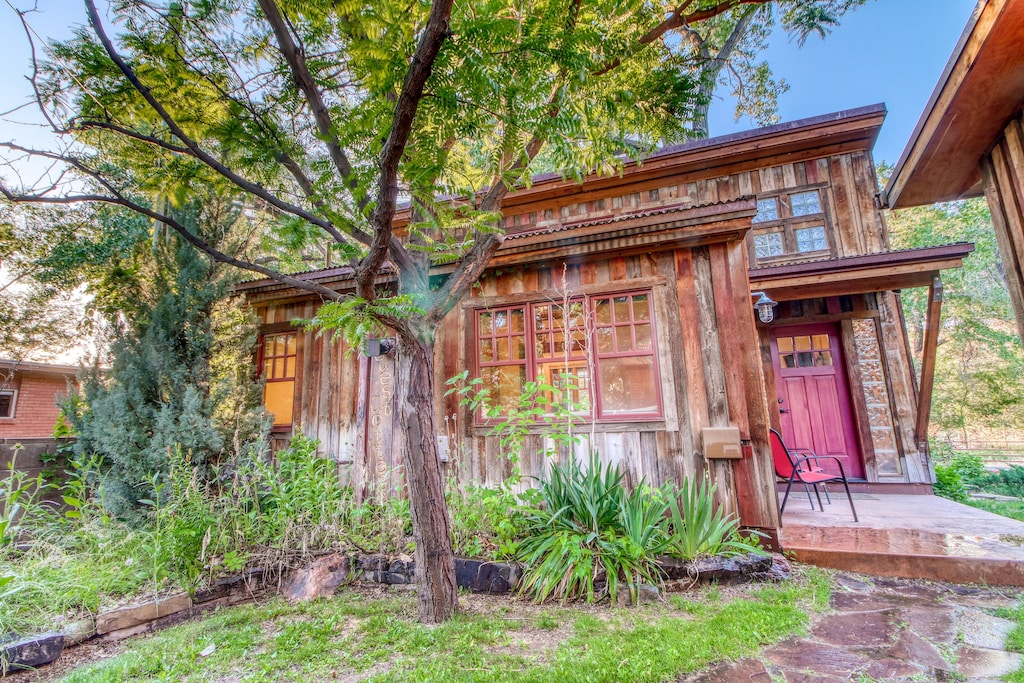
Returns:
(486, 577)
(858, 629)
(983, 663)
(645, 593)
(320, 579)
(743, 671)
(983, 630)
(913, 648)
(723, 570)
(29, 653)
(127, 617)
(79, 631)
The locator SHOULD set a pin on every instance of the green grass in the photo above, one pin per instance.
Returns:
(71, 576)
(494, 640)
(1015, 640)
(1014, 509)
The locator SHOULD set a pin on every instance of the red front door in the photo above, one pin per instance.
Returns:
(814, 396)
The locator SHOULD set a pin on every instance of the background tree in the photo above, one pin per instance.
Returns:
(175, 379)
(726, 50)
(328, 115)
(979, 361)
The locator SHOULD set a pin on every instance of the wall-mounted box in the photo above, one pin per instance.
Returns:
(721, 443)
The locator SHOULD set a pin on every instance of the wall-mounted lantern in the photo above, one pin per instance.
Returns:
(765, 307)
(373, 346)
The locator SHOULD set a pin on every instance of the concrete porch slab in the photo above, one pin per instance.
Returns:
(912, 536)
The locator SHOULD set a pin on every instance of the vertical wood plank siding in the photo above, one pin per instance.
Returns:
(1002, 172)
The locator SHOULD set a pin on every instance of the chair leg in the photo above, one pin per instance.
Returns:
(828, 498)
(852, 509)
(809, 499)
(818, 494)
(785, 497)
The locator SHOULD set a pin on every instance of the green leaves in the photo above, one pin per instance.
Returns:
(589, 534)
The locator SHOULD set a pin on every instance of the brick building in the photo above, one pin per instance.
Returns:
(29, 393)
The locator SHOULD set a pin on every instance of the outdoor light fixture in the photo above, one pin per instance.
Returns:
(374, 347)
(765, 307)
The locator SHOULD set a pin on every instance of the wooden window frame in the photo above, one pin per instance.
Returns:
(14, 403)
(261, 362)
(531, 363)
(787, 224)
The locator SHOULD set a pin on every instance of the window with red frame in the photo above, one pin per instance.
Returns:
(598, 354)
(279, 356)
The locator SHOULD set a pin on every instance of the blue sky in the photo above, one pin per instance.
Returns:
(889, 51)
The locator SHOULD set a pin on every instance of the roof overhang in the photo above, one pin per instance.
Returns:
(38, 368)
(858, 274)
(980, 90)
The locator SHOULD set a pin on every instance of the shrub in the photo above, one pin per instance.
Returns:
(589, 534)
(1006, 482)
(970, 467)
(948, 484)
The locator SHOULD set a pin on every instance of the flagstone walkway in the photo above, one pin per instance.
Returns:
(888, 629)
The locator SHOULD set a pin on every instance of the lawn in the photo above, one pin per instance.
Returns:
(373, 634)
(1013, 509)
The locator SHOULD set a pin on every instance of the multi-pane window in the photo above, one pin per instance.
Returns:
(768, 244)
(805, 351)
(7, 401)
(279, 357)
(811, 239)
(597, 354)
(791, 224)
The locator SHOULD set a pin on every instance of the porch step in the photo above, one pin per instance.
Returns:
(909, 536)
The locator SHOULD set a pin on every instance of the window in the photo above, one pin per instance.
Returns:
(598, 354)
(279, 356)
(787, 225)
(768, 244)
(805, 203)
(767, 210)
(805, 351)
(8, 399)
(811, 239)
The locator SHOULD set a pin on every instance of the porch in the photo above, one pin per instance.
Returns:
(915, 536)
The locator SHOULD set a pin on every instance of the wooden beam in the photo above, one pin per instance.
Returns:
(931, 342)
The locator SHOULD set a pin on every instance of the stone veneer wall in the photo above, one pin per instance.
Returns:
(876, 396)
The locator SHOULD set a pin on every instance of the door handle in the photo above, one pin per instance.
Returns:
(783, 410)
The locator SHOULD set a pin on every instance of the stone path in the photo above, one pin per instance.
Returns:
(883, 629)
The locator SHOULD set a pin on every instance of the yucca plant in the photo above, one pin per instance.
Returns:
(586, 526)
(696, 527)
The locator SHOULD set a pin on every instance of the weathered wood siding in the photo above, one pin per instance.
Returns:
(327, 381)
(1002, 171)
(710, 373)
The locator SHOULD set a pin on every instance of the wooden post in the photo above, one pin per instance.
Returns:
(931, 342)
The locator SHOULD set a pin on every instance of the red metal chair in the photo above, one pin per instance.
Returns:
(805, 470)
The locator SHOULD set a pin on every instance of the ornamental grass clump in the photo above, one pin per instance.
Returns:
(589, 535)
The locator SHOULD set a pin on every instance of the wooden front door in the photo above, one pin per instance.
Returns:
(814, 396)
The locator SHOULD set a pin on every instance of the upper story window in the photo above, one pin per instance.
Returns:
(805, 203)
(279, 356)
(597, 354)
(767, 210)
(789, 225)
(8, 400)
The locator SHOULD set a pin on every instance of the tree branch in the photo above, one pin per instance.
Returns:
(117, 198)
(192, 145)
(431, 41)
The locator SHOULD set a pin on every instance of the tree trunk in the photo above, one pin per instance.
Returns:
(435, 559)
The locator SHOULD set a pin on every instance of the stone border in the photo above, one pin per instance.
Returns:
(322, 578)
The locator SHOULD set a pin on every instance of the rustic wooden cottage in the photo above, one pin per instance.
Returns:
(634, 292)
